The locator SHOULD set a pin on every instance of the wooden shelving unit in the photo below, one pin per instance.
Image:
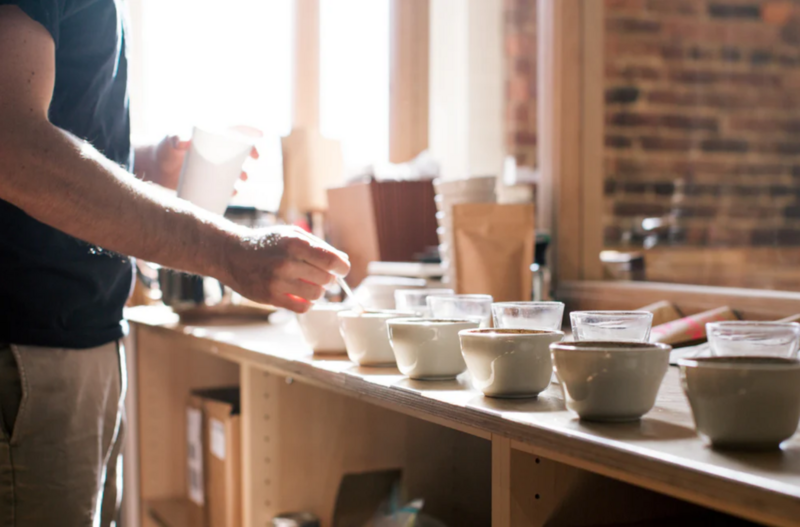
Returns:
(308, 420)
(169, 512)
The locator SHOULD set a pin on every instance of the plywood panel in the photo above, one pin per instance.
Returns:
(167, 372)
(592, 124)
(300, 441)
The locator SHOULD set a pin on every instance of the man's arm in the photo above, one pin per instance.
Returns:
(64, 182)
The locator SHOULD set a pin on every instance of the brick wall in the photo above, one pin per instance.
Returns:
(702, 115)
(520, 40)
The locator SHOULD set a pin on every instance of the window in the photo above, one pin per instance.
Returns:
(354, 77)
(220, 64)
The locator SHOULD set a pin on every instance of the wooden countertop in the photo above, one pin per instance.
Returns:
(661, 452)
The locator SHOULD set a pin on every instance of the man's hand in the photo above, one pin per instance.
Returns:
(282, 266)
(162, 163)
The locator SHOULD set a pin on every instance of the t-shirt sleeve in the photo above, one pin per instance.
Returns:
(46, 12)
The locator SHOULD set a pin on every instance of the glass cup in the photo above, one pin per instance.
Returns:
(415, 300)
(477, 308)
(625, 326)
(754, 339)
(528, 315)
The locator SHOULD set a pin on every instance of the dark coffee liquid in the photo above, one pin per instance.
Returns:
(745, 360)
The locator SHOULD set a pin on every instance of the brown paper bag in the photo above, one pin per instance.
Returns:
(493, 250)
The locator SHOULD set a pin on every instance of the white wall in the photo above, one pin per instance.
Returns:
(467, 86)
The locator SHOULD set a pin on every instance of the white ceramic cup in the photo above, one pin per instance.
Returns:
(509, 363)
(745, 403)
(428, 348)
(610, 381)
(320, 327)
(212, 167)
(366, 337)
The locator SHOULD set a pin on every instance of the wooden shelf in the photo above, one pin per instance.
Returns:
(170, 512)
(661, 453)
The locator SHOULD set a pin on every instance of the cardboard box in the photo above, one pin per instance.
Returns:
(387, 221)
(218, 501)
(195, 478)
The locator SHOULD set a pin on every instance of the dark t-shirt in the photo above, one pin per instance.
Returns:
(56, 290)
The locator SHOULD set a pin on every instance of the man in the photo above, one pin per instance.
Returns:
(69, 210)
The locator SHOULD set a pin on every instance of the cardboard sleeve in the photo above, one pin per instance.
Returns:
(663, 312)
(692, 329)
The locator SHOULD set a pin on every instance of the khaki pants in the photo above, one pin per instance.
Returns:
(61, 424)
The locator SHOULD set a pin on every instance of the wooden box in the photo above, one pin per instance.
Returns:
(388, 221)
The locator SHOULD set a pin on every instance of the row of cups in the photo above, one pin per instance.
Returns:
(745, 396)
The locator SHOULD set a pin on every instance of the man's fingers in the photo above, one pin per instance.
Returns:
(301, 270)
(292, 303)
(254, 153)
(243, 176)
(320, 254)
(179, 144)
(299, 288)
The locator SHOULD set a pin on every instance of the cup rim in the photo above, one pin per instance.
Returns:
(329, 306)
(441, 291)
(469, 297)
(752, 323)
(376, 313)
(493, 333)
(609, 346)
(528, 304)
(741, 362)
(432, 321)
(602, 313)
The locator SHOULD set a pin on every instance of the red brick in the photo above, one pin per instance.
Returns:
(719, 32)
(721, 235)
(777, 13)
(525, 138)
(632, 119)
(525, 66)
(675, 7)
(632, 25)
(790, 33)
(695, 76)
(729, 10)
(617, 141)
(521, 114)
(667, 143)
(632, 73)
(695, 235)
(751, 211)
(724, 145)
(518, 89)
(689, 122)
(778, 126)
(624, 5)
(699, 211)
(639, 209)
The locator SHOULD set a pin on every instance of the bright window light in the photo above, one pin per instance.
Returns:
(354, 77)
(219, 64)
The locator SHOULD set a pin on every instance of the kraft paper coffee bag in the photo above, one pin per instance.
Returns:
(493, 248)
